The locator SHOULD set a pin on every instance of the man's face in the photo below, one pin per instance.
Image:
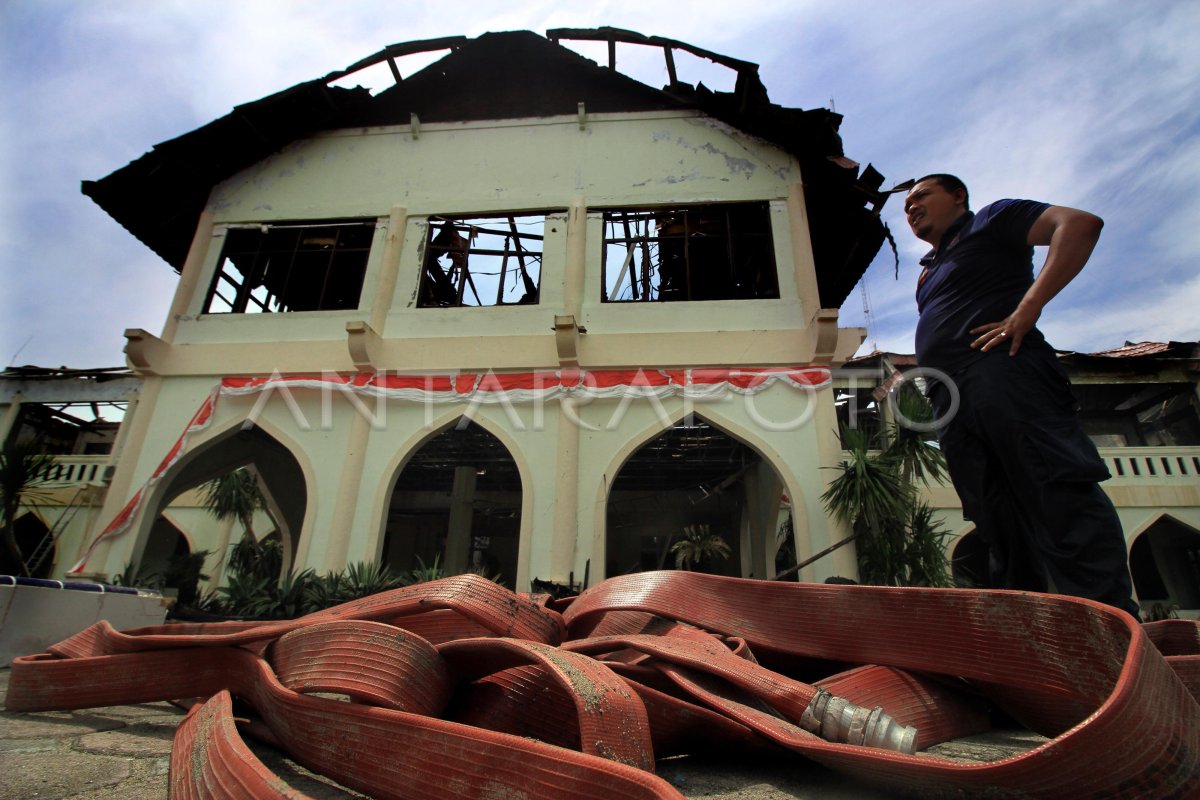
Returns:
(931, 209)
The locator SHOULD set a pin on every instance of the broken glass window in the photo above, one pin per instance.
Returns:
(302, 266)
(703, 252)
(482, 261)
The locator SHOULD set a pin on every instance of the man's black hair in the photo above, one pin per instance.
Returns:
(950, 183)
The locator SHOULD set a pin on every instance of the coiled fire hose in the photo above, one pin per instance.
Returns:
(460, 688)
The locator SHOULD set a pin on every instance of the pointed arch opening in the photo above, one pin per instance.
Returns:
(697, 491)
(456, 503)
(167, 561)
(277, 472)
(33, 537)
(1165, 564)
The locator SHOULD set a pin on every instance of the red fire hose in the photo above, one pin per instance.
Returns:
(460, 688)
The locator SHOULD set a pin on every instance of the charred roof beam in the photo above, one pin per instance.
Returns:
(744, 69)
(394, 51)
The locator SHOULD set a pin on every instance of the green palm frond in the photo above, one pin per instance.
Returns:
(911, 449)
(926, 555)
(897, 539)
(699, 545)
(364, 578)
(235, 495)
(868, 491)
(423, 574)
(262, 559)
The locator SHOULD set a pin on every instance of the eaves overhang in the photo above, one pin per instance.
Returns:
(510, 75)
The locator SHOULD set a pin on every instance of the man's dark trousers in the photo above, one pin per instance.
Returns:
(1028, 477)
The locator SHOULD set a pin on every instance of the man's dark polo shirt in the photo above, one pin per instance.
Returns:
(980, 274)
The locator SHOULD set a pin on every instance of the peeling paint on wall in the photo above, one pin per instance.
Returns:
(735, 165)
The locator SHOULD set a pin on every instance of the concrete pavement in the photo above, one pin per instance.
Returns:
(124, 752)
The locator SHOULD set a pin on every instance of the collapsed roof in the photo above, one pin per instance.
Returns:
(160, 196)
(1127, 358)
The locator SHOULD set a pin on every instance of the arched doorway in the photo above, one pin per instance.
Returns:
(457, 503)
(169, 563)
(691, 478)
(31, 534)
(1165, 563)
(279, 475)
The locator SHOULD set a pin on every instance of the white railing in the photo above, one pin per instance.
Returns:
(1146, 465)
(74, 471)
(1152, 464)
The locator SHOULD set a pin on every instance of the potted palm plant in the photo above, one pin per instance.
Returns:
(699, 546)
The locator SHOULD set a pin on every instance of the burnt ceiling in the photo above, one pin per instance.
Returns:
(159, 196)
(693, 457)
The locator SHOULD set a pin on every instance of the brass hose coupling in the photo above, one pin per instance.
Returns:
(838, 720)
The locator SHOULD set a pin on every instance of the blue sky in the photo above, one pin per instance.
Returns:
(1087, 104)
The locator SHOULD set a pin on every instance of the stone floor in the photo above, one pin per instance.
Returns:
(124, 752)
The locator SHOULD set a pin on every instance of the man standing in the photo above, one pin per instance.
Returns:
(1025, 471)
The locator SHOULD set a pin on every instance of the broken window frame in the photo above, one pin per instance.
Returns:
(634, 239)
(857, 408)
(258, 290)
(1150, 414)
(496, 239)
(70, 428)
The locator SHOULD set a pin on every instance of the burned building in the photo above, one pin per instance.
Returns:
(517, 311)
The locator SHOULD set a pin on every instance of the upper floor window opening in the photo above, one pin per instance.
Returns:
(1139, 414)
(291, 266)
(718, 251)
(80, 427)
(482, 261)
(858, 409)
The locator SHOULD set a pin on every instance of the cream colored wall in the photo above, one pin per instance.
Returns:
(782, 423)
(479, 168)
(350, 455)
(618, 159)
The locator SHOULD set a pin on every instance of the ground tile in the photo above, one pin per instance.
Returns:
(53, 776)
(140, 740)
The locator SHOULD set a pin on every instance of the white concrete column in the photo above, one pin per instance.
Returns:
(821, 529)
(389, 266)
(566, 495)
(462, 515)
(761, 510)
(566, 457)
(802, 253)
(345, 502)
(111, 555)
(573, 276)
(189, 276)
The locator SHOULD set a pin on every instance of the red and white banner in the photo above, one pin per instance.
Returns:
(477, 388)
(524, 387)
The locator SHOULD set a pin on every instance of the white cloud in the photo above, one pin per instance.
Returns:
(1159, 314)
